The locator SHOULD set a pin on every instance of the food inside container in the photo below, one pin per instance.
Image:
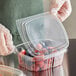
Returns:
(35, 63)
(39, 62)
(9, 71)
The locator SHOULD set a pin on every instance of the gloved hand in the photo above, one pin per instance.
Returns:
(61, 8)
(6, 43)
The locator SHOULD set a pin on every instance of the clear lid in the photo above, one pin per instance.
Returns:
(8, 71)
(44, 29)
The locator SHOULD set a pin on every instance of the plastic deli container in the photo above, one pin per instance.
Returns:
(44, 37)
(33, 63)
(8, 71)
(40, 62)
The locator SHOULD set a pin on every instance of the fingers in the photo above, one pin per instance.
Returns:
(6, 43)
(61, 8)
(8, 40)
(56, 5)
(64, 11)
(3, 48)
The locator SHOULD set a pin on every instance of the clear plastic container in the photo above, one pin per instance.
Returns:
(38, 33)
(9, 71)
(40, 62)
(44, 29)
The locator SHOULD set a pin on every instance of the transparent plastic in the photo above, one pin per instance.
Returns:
(39, 62)
(9, 71)
(44, 29)
(45, 41)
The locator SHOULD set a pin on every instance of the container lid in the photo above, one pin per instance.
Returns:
(44, 29)
(9, 71)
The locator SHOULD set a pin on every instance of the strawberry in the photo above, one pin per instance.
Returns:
(36, 51)
(23, 52)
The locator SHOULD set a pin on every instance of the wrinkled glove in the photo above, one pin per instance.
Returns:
(61, 8)
(6, 43)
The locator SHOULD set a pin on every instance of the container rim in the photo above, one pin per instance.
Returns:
(62, 51)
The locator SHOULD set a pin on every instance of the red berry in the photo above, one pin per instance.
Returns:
(39, 52)
(39, 46)
(36, 51)
(23, 52)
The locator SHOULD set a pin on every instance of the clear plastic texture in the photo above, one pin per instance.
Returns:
(39, 62)
(43, 30)
(8, 71)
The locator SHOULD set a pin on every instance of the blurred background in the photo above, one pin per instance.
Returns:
(70, 23)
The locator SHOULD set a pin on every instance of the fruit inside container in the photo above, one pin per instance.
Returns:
(40, 61)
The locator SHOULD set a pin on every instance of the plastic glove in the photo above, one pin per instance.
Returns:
(61, 8)
(6, 43)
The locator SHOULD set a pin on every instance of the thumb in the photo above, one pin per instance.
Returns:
(56, 5)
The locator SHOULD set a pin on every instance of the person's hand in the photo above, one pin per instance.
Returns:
(61, 8)
(6, 43)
